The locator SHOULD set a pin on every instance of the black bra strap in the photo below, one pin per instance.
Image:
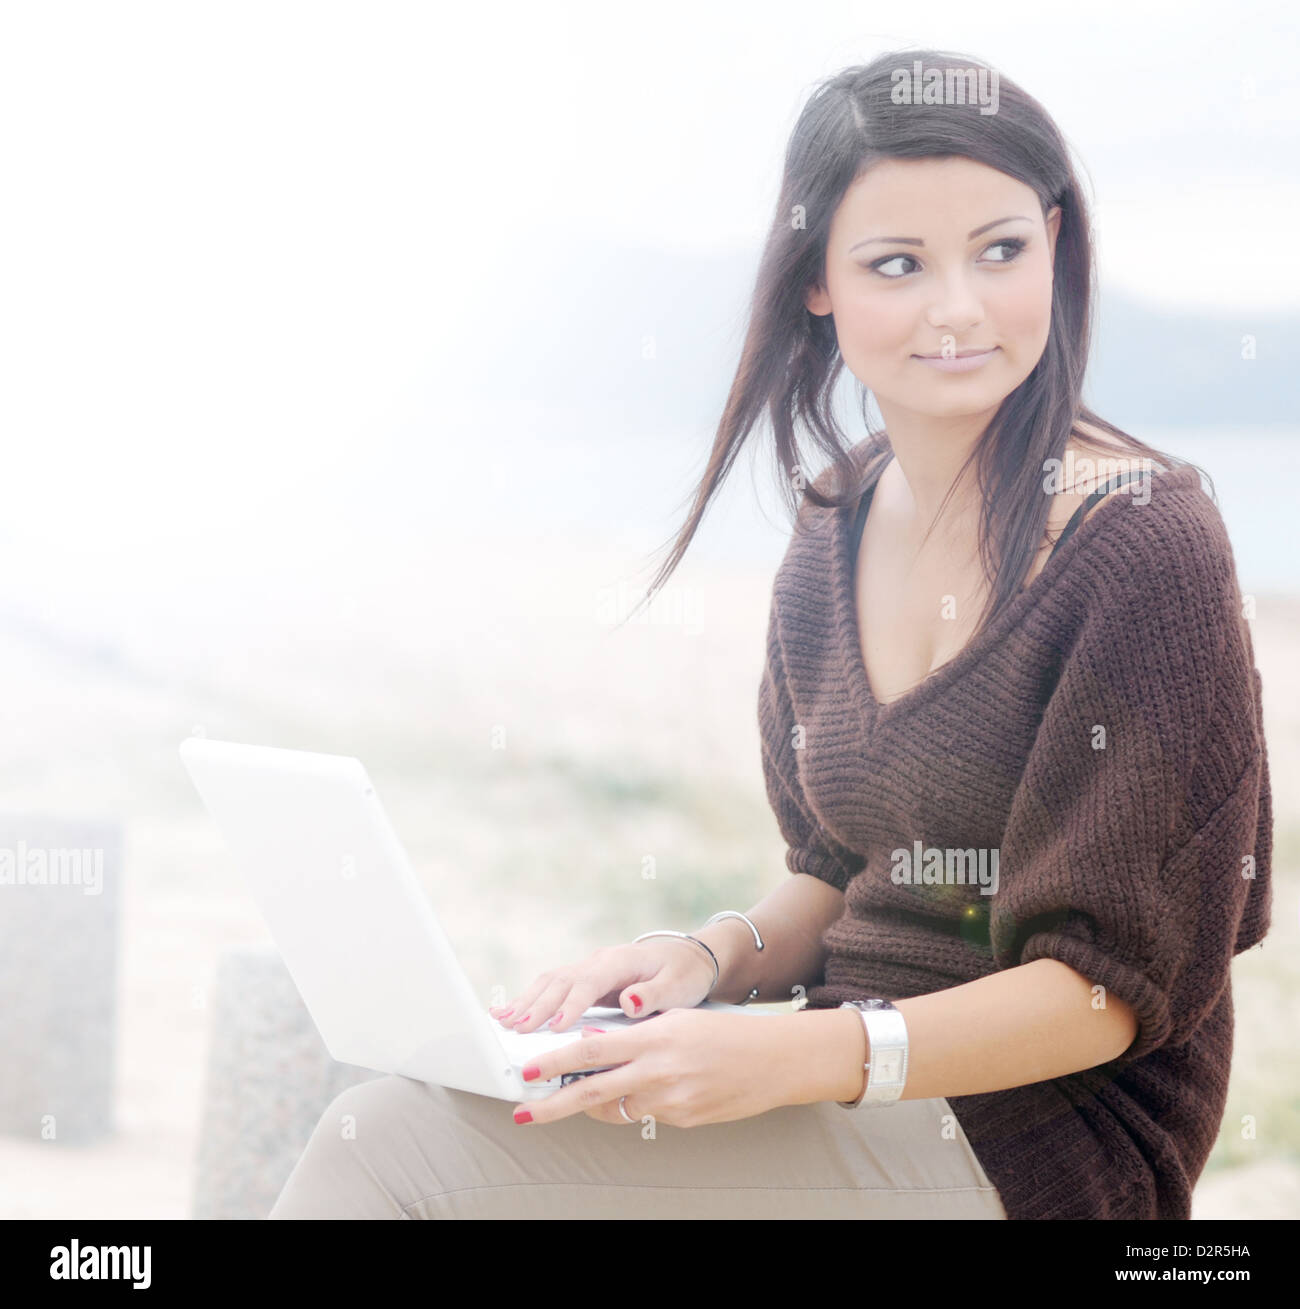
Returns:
(860, 521)
(1077, 517)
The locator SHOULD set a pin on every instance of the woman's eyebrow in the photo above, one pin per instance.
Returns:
(916, 240)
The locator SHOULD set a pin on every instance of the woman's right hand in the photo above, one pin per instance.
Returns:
(640, 978)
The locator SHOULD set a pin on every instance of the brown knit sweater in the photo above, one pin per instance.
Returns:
(1102, 739)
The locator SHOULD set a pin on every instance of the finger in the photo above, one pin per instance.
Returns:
(527, 1003)
(600, 987)
(522, 1003)
(608, 1113)
(598, 984)
(587, 1094)
(582, 996)
(594, 1050)
(637, 1000)
(661, 988)
(544, 1005)
(643, 997)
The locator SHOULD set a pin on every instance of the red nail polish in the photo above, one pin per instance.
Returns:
(594, 1029)
(530, 1072)
(523, 1116)
(636, 1001)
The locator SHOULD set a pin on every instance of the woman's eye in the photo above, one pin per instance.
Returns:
(1013, 245)
(893, 259)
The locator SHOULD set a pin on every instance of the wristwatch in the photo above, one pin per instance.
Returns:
(886, 1068)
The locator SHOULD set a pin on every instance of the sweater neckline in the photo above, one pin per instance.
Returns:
(845, 600)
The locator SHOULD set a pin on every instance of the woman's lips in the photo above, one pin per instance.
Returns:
(961, 363)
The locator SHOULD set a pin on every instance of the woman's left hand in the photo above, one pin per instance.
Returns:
(684, 1067)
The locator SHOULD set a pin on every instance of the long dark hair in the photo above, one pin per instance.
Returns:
(790, 360)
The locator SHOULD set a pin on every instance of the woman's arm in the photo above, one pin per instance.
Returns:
(1021, 1025)
(1017, 1026)
(791, 921)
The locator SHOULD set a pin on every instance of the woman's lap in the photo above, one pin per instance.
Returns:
(394, 1147)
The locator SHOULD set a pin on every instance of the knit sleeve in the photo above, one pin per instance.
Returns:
(811, 849)
(1138, 842)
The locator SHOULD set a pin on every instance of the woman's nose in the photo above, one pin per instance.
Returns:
(955, 308)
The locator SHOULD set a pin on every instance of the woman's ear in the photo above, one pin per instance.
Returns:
(817, 300)
(1052, 221)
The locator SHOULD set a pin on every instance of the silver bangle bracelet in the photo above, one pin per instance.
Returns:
(732, 913)
(685, 936)
(758, 940)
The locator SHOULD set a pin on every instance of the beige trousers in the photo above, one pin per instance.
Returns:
(394, 1147)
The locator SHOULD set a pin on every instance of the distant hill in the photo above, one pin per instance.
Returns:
(571, 352)
(1177, 368)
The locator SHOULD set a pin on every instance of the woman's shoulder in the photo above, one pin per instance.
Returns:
(1147, 592)
(1153, 563)
(1169, 511)
(1168, 522)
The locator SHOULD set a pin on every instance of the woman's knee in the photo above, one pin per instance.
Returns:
(369, 1108)
(351, 1165)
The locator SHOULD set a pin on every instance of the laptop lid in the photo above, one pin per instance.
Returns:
(355, 928)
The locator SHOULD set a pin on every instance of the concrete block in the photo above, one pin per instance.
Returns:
(269, 1079)
(60, 897)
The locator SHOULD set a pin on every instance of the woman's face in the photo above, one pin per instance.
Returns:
(934, 257)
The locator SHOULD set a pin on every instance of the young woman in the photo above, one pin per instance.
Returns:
(1011, 732)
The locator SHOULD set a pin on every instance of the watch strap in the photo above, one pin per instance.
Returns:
(885, 1070)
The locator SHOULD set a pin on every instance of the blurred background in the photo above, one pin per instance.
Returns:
(358, 360)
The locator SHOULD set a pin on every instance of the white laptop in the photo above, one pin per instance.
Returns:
(355, 928)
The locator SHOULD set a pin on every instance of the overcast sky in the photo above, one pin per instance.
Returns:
(235, 234)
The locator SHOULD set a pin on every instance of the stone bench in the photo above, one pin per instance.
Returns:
(60, 900)
(269, 1078)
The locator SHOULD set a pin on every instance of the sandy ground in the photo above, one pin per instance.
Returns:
(618, 742)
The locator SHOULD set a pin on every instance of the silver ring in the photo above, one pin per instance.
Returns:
(623, 1111)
